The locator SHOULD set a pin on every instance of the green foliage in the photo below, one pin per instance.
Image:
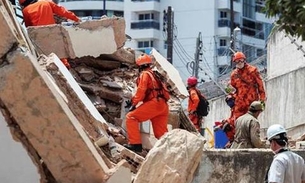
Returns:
(290, 15)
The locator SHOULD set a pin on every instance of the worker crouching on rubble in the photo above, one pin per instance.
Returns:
(248, 87)
(193, 102)
(247, 128)
(41, 12)
(286, 165)
(154, 106)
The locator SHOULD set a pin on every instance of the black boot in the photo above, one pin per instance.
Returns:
(134, 147)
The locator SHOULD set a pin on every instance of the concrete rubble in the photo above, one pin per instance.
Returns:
(64, 118)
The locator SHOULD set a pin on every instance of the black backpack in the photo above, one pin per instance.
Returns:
(203, 107)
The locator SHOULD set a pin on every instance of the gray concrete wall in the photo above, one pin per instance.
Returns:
(16, 165)
(234, 166)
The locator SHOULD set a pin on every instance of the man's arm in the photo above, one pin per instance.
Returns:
(61, 11)
(255, 134)
(141, 88)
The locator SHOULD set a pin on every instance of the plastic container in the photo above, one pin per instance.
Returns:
(113, 148)
(221, 139)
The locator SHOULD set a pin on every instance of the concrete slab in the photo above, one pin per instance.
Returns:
(174, 78)
(7, 32)
(91, 38)
(48, 123)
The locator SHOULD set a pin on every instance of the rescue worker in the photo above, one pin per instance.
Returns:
(154, 106)
(41, 12)
(193, 102)
(249, 87)
(247, 128)
(286, 165)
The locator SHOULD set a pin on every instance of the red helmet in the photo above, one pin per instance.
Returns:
(143, 59)
(238, 56)
(191, 81)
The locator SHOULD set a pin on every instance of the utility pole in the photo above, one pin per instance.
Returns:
(232, 27)
(104, 7)
(198, 55)
(170, 23)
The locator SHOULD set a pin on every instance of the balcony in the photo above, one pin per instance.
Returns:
(61, 1)
(144, 0)
(253, 33)
(222, 51)
(224, 23)
(145, 25)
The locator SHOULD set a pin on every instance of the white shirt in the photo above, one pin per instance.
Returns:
(287, 167)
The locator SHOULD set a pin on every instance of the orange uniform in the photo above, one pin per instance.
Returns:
(192, 107)
(41, 13)
(154, 108)
(249, 87)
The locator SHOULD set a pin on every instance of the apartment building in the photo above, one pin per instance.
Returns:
(146, 24)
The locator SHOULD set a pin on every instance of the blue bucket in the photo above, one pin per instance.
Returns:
(221, 139)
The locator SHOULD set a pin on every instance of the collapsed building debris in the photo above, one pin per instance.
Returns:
(64, 117)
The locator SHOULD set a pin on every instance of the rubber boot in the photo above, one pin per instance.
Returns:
(134, 147)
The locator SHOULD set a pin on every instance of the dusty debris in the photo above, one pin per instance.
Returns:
(64, 117)
(174, 158)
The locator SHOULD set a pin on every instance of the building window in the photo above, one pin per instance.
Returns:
(146, 16)
(223, 14)
(96, 14)
(222, 42)
(249, 9)
(259, 52)
(145, 44)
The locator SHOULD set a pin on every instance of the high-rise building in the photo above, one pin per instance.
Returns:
(201, 29)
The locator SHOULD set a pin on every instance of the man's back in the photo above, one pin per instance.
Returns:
(247, 131)
(287, 167)
(39, 13)
(42, 13)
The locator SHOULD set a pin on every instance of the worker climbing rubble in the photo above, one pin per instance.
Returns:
(154, 106)
(193, 102)
(248, 87)
(41, 12)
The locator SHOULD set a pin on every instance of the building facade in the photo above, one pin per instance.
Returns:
(201, 30)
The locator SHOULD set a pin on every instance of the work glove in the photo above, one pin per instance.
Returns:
(128, 104)
(216, 128)
(226, 127)
(230, 101)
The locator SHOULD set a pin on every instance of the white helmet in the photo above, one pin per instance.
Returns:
(274, 130)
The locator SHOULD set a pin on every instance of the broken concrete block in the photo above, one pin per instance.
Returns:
(91, 38)
(167, 70)
(7, 32)
(48, 123)
(174, 158)
(124, 55)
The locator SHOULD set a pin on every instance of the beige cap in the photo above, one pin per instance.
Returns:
(256, 106)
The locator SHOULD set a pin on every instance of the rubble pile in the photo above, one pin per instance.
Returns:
(65, 117)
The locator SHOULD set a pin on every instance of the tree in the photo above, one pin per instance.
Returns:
(290, 15)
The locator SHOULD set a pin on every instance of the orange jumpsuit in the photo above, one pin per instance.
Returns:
(153, 108)
(41, 13)
(192, 106)
(249, 87)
